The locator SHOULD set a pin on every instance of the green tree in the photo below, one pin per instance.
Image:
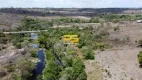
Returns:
(140, 57)
(25, 66)
(33, 52)
(87, 53)
(16, 77)
(66, 74)
(78, 68)
(140, 43)
(51, 70)
(76, 72)
(95, 20)
(39, 77)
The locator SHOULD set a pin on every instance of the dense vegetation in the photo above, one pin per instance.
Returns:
(119, 18)
(4, 38)
(115, 18)
(71, 66)
(24, 64)
(63, 61)
(29, 24)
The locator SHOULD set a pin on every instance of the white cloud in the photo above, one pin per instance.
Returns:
(71, 3)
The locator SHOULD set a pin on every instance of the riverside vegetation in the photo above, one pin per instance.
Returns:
(71, 56)
(73, 66)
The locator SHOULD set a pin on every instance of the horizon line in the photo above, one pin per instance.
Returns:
(76, 7)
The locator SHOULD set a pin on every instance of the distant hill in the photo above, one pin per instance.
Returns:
(10, 17)
(68, 11)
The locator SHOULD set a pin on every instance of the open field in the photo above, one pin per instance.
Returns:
(9, 21)
(120, 62)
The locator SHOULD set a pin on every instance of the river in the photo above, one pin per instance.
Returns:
(40, 65)
(40, 55)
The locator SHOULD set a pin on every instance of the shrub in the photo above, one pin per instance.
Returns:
(95, 20)
(104, 33)
(79, 45)
(3, 38)
(25, 67)
(115, 20)
(100, 46)
(140, 43)
(33, 52)
(140, 57)
(18, 45)
(87, 53)
(116, 28)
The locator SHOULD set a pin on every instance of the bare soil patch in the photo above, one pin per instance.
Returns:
(121, 64)
(93, 70)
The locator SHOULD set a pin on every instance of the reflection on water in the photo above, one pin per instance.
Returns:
(33, 45)
(40, 54)
(40, 65)
(34, 36)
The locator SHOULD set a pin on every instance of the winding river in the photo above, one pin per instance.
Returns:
(40, 65)
(40, 55)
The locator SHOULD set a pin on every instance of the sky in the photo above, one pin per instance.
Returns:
(72, 3)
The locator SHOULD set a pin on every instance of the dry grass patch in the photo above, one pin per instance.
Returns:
(93, 71)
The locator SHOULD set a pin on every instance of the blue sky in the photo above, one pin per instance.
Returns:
(71, 3)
